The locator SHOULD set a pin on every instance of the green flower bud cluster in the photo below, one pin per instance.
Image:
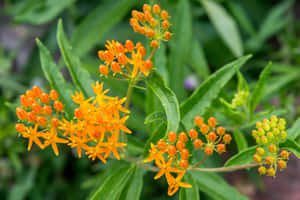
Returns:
(239, 99)
(268, 135)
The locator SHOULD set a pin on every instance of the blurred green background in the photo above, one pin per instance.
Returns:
(211, 34)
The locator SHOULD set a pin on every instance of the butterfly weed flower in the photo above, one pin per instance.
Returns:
(268, 135)
(97, 124)
(39, 117)
(125, 60)
(172, 158)
(215, 136)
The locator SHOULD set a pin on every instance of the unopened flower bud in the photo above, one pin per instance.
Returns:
(262, 170)
(285, 154)
(271, 172)
(260, 151)
(270, 160)
(257, 158)
(272, 148)
(281, 164)
(264, 140)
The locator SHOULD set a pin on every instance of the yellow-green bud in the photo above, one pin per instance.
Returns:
(271, 172)
(260, 151)
(283, 134)
(276, 131)
(281, 126)
(272, 148)
(281, 164)
(266, 126)
(273, 124)
(264, 140)
(270, 160)
(274, 119)
(262, 170)
(285, 154)
(270, 136)
(282, 121)
(256, 158)
(258, 140)
(258, 125)
(254, 133)
(261, 132)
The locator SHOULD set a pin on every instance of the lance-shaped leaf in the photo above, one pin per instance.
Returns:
(291, 146)
(56, 79)
(242, 158)
(134, 187)
(203, 96)
(80, 75)
(189, 193)
(294, 131)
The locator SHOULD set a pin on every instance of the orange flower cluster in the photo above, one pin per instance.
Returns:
(126, 60)
(39, 122)
(153, 23)
(97, 124)
(177, 162)
(215, 136)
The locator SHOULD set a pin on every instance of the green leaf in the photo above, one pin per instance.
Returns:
(291, 146)
(203, 96)
(198, 61)
(167, 98)
(180, 47)
(242, 83)
(23, 186)
(216, 187)
(189, 193)
(134, 186)
(114, 184)
(225, 26)
(154, 117)
(242, 158)
(56, 79)
(240, 140)
(294, 131)
(241, 16)
(80, 76)
(259, 89)
(97, 23)
(41, 12)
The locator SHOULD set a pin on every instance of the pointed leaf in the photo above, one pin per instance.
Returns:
(294, 131)
(240, 140)
(134, 186)
(189, 193)
(198, 61)
(216, 187)
(80, 76)
(260, 86)
(225, 26)
(154, 117)
(203, 96)
(291, 146)
(242, 158)
(167, 98)
(114, 184)
(56, 79)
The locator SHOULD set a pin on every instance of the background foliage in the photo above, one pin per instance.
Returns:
(207, 35)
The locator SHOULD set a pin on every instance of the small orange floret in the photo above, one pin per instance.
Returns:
(109, 57)
(184, 163)
(103, 69)
(193, 134)
(142, 50)
(150, 33)
(29, 93)
(212, 136)
(78, 113)
(122, 59)
(166, 24)
(36, 91)
(212, 122)
(198, 121)
(198, 144)
(227, 138)
(42, 121)
(47, 110)
(183, 137)
(204, 129)
(115, 67)
(221, 148)
(31, 117)
(164, 15)
(185, 154)
(208, 151)
(172, 137)
(36, 108)
(146, 7)
(58, 106)
(53, 95)
(129, 45)
(148, 64)
(21, 113)
(154, 44)
(156, 9)
(172, 150)
(161, 145)
(24, 101)
(54, 122)
(20, 128)
(220, 130)
(180, 145)
(167, 35)
(44, 98)
(101, 55)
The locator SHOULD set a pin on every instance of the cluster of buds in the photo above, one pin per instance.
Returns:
(153, 23)
(173, 150)
(269, 134)
(39, 117)
(239, 99)
(216, 137)
(126, 60)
